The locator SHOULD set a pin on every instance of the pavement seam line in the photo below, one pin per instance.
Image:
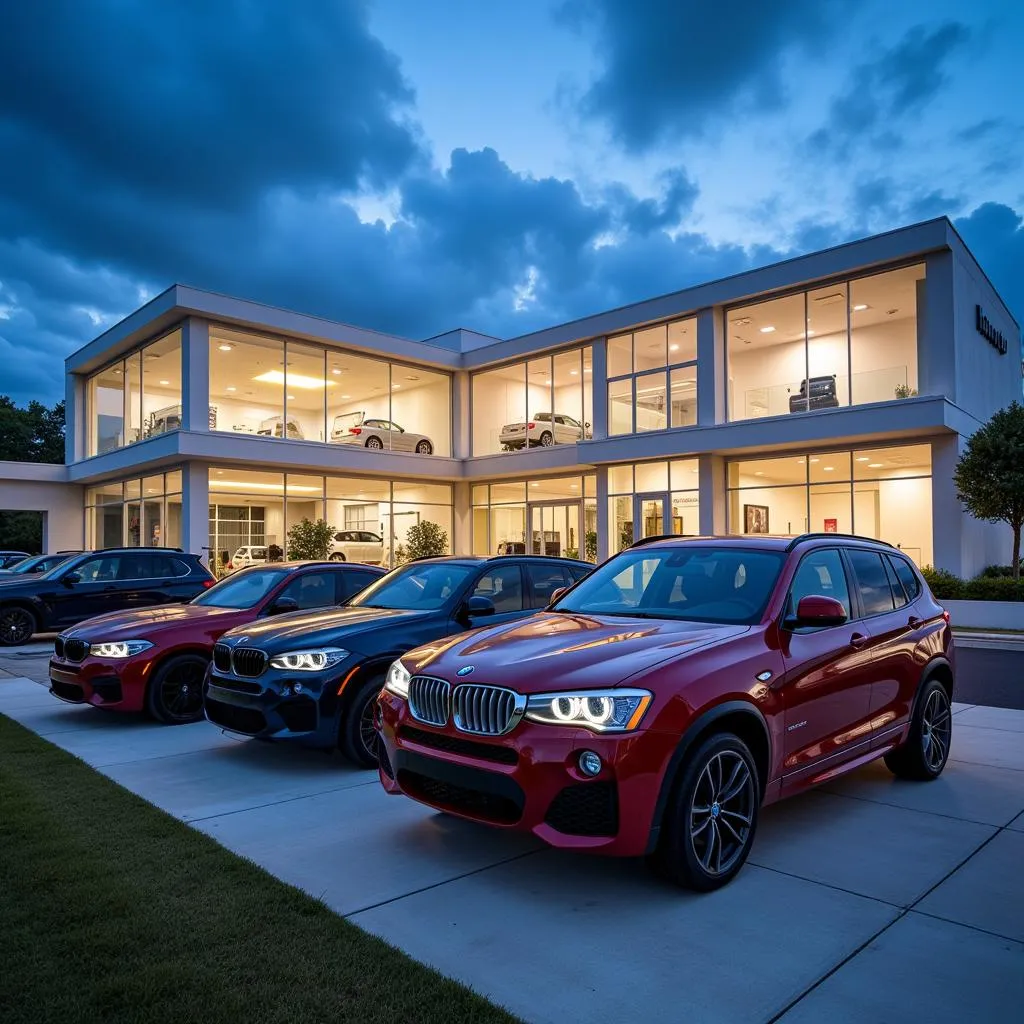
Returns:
(972, 927)
(918, 810)
(881, 931)
(276, 803)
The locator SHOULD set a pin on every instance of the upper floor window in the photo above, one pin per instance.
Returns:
(652, 378)
(533, 404)
(135, 398)
(843, 344)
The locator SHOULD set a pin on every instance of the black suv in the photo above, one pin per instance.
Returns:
(316, 677)
(96, 582)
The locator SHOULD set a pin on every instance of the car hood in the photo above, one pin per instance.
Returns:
(336, 627)
(144, 622)
(555, 651)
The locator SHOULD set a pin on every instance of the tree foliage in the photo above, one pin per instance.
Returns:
(310, 540)
(424, 540)
(989, 477)
(32, 434)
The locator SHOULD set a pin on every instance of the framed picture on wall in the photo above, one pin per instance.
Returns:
(831, 525)
(755, 518)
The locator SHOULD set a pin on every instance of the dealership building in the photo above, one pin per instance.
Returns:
(832, 392)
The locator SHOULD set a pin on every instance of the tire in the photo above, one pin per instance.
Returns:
(337, 556)
(356, 728)
(175, 693)
(925, 752)
(375, 443)
(717, 793)
(424, 448)
(17, 626)
(547, 439)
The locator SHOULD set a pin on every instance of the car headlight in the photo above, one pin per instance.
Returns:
(397, 681)
(119, 648)
(597, 710)
(309, 661)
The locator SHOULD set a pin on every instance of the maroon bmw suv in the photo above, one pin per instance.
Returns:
(657, 704)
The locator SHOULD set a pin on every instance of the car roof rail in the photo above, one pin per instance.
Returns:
(122, 547)
(662, 536)
(836, 536)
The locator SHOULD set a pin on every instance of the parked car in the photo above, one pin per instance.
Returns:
(10, 558)
(544, 430)
(357, 546)
(355, 428)
(155, 659)
(114, 579)
(315, 678)
(36, 564)
(274, 427)
(659, 703)
(248, 554)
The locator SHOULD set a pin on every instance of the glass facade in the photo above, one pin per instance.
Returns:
(844, 344)
(534, 403)
(884, 493)
(651, 499)
(136, 512)
(136, 397)
(269, 387)
(652, 378)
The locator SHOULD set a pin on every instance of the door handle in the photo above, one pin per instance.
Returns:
(858, 640)
(913, 622)
(107, 590)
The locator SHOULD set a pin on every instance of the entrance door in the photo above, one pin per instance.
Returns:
(652, 516)
(554, 529)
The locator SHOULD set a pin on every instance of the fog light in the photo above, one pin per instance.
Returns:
(590, 763)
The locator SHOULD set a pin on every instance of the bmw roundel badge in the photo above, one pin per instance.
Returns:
(466, 670)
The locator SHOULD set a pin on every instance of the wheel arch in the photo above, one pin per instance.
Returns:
(26, 605)
(175, 652)
(736, 716)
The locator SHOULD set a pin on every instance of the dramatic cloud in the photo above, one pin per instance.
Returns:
(672, 67)
(995, 234)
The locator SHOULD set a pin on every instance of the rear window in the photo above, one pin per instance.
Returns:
(871, 581)
(906, 575)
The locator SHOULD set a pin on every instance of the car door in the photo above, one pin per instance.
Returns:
(96, 591)
(311, 590)
(372, 545)
(826, 689)
(544, 580)
(503, 585)
(401, 440)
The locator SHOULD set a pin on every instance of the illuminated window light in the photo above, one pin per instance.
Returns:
(767, 330)
(225, 348)
(295, 380)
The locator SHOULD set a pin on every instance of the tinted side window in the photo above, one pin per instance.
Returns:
(872, 581)
(898, 597)
(350, 583)
(820, 574)
(906, 575)
(96, 569)
(545, 580)
(504, 586)
(578, 572)
(311, 590)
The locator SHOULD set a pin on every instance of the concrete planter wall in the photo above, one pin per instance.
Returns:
(986, 614)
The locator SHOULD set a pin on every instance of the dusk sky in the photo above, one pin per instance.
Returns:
(414, 167)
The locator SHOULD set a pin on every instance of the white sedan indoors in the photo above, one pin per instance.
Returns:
(544, 430)
(356, 428)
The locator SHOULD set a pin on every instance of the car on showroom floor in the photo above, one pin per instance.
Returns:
(315, 678)
(96, 582)
(543, 430)
(659, 703)
(154, 660)
(373, 432)
(357, 546)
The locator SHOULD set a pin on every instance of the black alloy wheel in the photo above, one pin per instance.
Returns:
(425, 448)
(926, 750)
(547, 439)
(357, 737)
(16, 626)
(175, 693)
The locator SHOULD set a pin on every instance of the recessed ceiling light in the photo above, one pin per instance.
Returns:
(574, 373)
(346, 396)
(863, 458)
(694, 470)
(815, 460)
(759, 473)
(395, 387)
(874, 465)
(165, 382)
(231, 389)
(295, 380)
(547, 382)
(224, 348)
(673, 348)
(828, 469)
(810, 334)
(291, 398)
(860, 307)
(767, 330)
(336, 371)
(535, 485)
(574, 487)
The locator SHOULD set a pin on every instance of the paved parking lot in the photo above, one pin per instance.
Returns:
(874, 900)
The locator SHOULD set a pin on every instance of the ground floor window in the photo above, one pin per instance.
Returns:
(139, 512)
(550, 516)
(651, 499)
(885, 493)
(372, 519)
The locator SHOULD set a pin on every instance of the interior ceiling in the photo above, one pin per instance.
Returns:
(912, 460)
(889, 296)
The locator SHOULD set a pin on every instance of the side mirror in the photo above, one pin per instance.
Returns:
(478, 606)
(283, 605)
(815, 610)
(71, 578)
(557, 595)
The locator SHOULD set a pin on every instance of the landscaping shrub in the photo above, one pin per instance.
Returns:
(997, 571)
(944, 585)
(987, 587)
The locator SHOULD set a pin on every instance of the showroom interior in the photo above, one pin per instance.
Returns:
(831, 393)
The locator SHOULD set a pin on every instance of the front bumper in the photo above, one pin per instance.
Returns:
(268, 707)
(119, 685)
(529, 780)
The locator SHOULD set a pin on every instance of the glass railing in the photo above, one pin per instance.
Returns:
(883, 385)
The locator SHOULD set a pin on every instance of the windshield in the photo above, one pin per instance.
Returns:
(242, 590)
(38, 564)
(423, 586)
(698, 583)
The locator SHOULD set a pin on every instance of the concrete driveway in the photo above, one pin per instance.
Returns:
(873, 900)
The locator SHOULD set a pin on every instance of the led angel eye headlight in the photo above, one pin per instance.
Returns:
(597, 710)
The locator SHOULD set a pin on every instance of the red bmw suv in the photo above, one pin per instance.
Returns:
(654, 707)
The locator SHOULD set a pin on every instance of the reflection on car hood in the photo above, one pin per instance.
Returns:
(553, 651)
(336, 627)
(144, 622)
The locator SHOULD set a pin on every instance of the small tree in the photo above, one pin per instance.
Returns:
(424, 540)
(307, 539)
(989, 477)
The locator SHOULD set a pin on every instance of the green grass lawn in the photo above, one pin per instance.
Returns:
(111, 910)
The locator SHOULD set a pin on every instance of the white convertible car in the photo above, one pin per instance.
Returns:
(544, 430)
(356, 428)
